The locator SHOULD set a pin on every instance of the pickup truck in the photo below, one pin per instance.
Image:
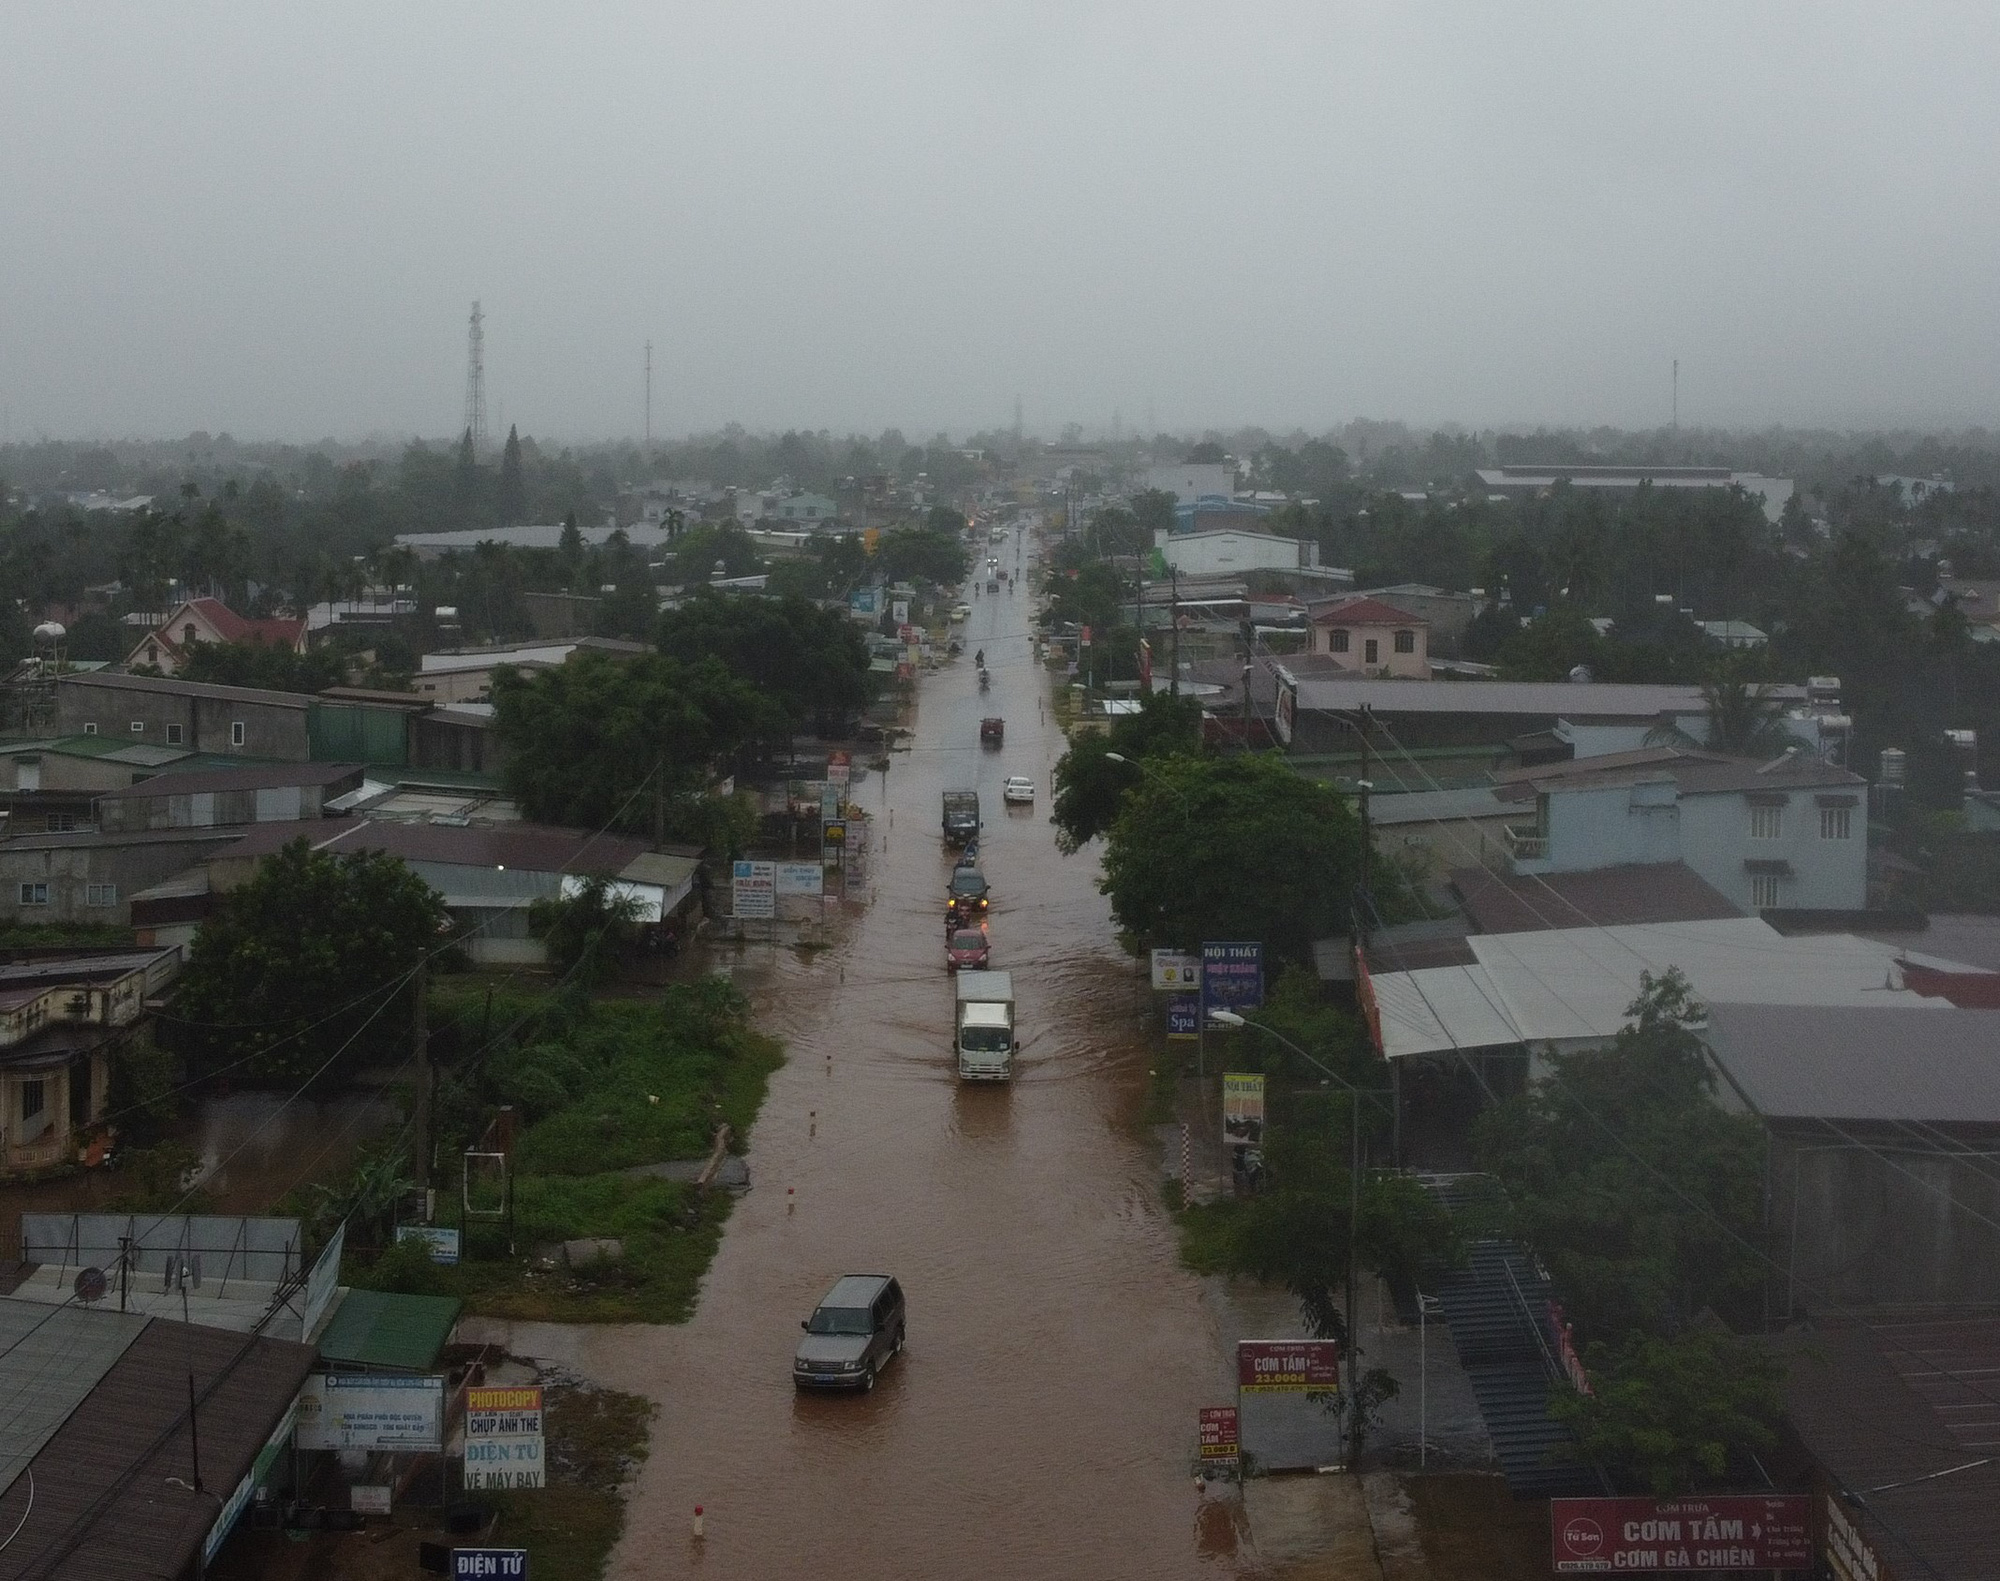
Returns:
(961, 817)
(983, 1040)
(992, 732)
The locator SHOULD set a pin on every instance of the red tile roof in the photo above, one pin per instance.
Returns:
(1366, 612)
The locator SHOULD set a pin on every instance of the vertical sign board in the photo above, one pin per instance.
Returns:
(1221, 1445)
(1289, 1404)
(503, 1438)
(1726, 1532)
(1175, 971)
(899, 612)
(840, 767)
(1285, 719)
(485, 1564)
(1232, 975)
(322, 1282)
(1184, 1016)
(1242, 1110)
(829, 802)
(260, 1469)
(1849, 1555)
(754, 889)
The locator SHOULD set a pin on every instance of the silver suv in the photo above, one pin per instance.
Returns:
(852, 1335)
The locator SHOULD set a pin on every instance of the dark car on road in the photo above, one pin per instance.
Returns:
(854, 1332)
(968, 891)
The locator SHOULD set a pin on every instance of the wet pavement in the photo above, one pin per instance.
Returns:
(1042, 1420)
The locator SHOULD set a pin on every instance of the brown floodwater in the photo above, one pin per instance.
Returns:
(1042, 1421)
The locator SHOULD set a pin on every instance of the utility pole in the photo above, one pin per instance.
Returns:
(649, 392)
(1175, 579)
(1677, 395)
(420, 1050)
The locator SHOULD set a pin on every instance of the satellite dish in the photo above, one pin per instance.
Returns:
(90, 1285)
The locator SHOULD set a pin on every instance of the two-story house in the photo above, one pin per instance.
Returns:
(198, 620)
(60, 1019)
(1376, 638)
(1791, 833)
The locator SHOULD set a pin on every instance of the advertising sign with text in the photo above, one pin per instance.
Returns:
(1232, 976)
(754, 889)
(1176, 971)
(503, 1438)
(1219, 1437)
(1184, 1016)
(371, 1411)
(1242, 1109)
(1724, 1532)
(800, 878)
(1287, 1366)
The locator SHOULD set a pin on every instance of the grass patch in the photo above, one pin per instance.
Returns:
(32, 935)
(604, 1086)
(596, 1440)
(1207, 1230)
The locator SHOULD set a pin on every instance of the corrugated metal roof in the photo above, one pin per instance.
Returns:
(173, 688)
(529, 847)
(1628, 893)
(104, 1509)
(1875, 1407)
(268, 776)
(1694, 773)
(1886, 1064)
(50, 1358)
(374, 1328)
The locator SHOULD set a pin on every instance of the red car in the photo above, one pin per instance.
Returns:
(966, 948)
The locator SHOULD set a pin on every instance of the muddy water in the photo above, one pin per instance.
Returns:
(1041, 1422)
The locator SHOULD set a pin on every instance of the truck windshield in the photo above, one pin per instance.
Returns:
(985, 1040)
(841, 1320)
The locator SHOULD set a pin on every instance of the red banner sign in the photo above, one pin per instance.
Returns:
(1219, 1437)
(1729, 1532)
(1287, 1366)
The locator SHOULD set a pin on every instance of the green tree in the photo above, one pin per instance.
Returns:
(1643, 1198)
(1550, 646)
(702, 548)
(1153, 510)
(1233, 848)
(265, 664)
(1744, 719)
(1090, 786)
(1676, 1415)
(584, 739)
(512, 499)
(306, 968)
(812, 662)
(587, 932)
(569, 549)
(921, 554)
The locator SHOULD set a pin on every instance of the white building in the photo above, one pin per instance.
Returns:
(1192, 481)
(1528, 479)
(1791, 833)
(1230, 551)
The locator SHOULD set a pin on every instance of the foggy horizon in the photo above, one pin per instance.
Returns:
(1158, 220)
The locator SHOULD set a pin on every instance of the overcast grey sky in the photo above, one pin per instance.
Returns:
(273, 220)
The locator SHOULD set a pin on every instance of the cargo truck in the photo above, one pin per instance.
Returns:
(961, 817)
(984, 1041)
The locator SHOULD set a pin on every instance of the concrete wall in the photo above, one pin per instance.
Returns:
(1190, 481)
(1233, 551)
(70, 868)
(1853, 1227)
(270, 730)
(1412, 666)
(1826, 874)
(1589, 829)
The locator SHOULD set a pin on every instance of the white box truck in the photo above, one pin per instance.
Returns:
(984, 1038)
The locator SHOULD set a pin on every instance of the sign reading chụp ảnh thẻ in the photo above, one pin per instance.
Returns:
(503, 1437)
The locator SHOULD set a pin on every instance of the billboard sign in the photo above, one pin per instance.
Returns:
(1184, 1016)
(1285, 719)
(1220, 1441)
(840, 767)
(323, 1283)
(800, 878)
(1287, 1366)
(899, 612)
(829, 802)
(1242, 1109)
(754, 889)
(1232, 975)
(1726, 1532)
(503, 1438)
(1175, 971)
(371, 1411)
(443, 1242)
(489, 1564)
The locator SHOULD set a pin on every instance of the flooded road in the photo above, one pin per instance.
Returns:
(1041, 1422)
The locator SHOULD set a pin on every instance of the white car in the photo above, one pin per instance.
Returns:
(1019, 788)
(960, 611)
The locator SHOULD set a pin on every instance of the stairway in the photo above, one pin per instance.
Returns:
(1496, 1308)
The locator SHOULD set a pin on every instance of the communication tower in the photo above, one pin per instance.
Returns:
(475, 381)
(649, 392)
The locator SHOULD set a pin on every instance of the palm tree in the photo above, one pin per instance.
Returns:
(1744, 720)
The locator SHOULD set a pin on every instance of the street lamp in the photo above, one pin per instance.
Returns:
(1229, 1018)
(1187, 809)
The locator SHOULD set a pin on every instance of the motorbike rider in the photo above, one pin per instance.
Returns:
(979, 658)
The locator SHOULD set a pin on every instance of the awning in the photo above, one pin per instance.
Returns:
(373, 1328)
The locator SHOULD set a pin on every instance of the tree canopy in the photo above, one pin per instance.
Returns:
(921, 554)
(305, 964)
(812, 662)
(1089, 786)
(1233, 848)
(583, 738)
